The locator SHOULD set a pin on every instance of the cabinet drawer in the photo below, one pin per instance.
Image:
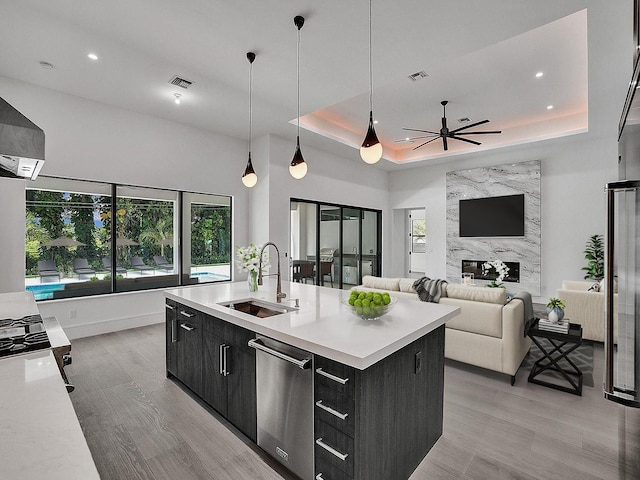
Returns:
(186, 314)
(326, 471)
(334, 447)
(335, 375)
(335, 409)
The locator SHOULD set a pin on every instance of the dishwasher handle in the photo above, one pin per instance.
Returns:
(258, 345)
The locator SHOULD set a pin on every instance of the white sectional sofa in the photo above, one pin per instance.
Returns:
(587, 308)
(488, 333)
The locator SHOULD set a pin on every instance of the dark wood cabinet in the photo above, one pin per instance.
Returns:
(229, 373)
(212, 358)
(379, 423)
(172, 338)
(189, 348)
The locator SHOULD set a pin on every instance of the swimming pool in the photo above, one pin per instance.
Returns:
(44, 291)
(209, 276)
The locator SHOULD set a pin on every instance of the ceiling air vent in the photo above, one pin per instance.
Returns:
(464, 120)
(180, 82)
(418, 75)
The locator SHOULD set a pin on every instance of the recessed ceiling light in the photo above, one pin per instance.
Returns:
(177, 98)
(375, 121)
(92, 56)
(46, 65)
(549, 107)
(539, 74)
(407, 139)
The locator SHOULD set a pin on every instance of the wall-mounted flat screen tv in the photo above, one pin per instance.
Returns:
(492, 216)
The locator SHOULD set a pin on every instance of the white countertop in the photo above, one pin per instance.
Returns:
(40, 436)
(322, 325)
(16, 305)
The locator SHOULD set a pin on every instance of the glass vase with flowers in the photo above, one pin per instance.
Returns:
(501, 272)
(248, 261)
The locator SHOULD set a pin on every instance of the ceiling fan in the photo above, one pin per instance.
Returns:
(445, 133)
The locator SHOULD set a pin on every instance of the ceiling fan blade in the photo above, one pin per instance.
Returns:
(405, 140)
(469, 126)
(423, 144)
(444, 142)
(423, 131)
(478, 133)
(455, 137)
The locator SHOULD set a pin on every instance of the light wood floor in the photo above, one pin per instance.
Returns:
(139, 425)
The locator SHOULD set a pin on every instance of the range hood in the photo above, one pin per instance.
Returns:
(21, 144)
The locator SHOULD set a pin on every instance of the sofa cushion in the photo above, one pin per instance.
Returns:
(406, 285)
(477, 294)
(393, 293)
(476, 317)
(381, 283)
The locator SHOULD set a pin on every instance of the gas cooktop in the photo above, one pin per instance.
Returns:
(22, 335)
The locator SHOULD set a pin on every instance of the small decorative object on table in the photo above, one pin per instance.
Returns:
(561, 326)
(369, 305)
(555, 310)
(501, 272)
(248, 260)
(467, 279)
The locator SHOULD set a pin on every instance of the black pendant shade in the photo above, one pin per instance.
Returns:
(298, 167)
(371, 139)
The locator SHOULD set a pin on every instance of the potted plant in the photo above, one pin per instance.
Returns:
(594, 254)
(555, 310)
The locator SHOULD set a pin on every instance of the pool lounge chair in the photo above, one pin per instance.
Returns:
(162, 262)
(138, 264)
(47, 269)
(81, 267)
(106, 262)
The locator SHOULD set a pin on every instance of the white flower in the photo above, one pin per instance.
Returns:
(501, 269)
(249, 258)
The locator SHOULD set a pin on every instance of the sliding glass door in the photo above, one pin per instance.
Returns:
(342, 243)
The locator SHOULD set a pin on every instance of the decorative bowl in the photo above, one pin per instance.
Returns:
(372, 312)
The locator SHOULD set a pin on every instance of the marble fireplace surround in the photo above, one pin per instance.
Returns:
(498, 180)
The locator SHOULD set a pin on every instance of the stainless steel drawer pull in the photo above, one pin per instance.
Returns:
(187, 327)
(187, 314)
(174, 331)
(300, 363)
(343, 381)
(331, 450)
(170, 307)
(319, 476)
(336, 413)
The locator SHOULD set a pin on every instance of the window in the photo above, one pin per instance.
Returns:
(70, 251)
(209, 232)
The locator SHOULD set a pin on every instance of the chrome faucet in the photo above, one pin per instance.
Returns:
(279, 294)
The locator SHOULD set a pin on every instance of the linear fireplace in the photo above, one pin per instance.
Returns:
(475, 267)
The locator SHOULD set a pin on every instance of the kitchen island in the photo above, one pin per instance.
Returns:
(377, 385)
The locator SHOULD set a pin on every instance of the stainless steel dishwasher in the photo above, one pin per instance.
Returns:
(284, 379)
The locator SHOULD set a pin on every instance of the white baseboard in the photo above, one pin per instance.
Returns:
(112, 325)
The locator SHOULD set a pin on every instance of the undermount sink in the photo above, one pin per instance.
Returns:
(258, 308)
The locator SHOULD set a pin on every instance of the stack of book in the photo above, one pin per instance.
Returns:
(560, 327)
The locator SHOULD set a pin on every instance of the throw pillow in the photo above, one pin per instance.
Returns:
(594, 288)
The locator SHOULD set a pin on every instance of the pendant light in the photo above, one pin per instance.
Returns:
(371, 149)
(249, 178)
(298, 167)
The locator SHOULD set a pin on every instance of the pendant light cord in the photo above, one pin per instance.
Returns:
(250, 103)
(298, 77)
(370, 64)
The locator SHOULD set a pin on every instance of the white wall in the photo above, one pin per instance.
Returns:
(93, 141)
(12, 234)
(574, 171)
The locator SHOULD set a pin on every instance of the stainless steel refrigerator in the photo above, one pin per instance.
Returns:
(622, 281)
